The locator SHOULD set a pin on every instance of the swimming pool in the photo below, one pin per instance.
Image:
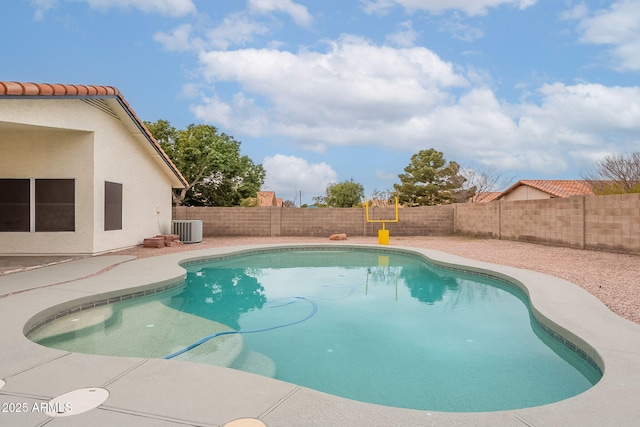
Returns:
(379, 326)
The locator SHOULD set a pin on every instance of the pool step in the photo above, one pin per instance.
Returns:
(220, 351)
(151, 333)
(256, 363)
(74, 323)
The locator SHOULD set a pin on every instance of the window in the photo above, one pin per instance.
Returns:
(55, 205)
(37, 205)
(14, 205)
(112, 206)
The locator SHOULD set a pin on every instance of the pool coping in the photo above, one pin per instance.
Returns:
(155, 390)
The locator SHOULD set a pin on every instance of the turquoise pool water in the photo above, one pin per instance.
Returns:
(379, 327)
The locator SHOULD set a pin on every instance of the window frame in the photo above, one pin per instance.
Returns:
(15, 205)
(113, 202)
(51, 205)
(55, 204)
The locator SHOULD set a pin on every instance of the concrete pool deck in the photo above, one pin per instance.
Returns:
(172, 393)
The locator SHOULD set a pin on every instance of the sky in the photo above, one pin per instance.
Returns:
(322, 92)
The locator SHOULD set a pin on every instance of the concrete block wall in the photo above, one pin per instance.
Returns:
(609, 223)
(419, 221)
(228, 221)
(557, 222)
(272, 221)
(478, 219)
(322, 222)
(612, 223)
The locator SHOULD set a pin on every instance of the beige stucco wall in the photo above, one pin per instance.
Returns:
(146, 191)
(524, 192)
(49, 138)
(49, 153)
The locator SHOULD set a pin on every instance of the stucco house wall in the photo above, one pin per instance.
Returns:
(525, 192)
(90, 140)
(146, 190)
(34, 152)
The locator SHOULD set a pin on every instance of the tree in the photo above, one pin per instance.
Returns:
(616, 174)
(479, 182)
(218, 175)
(429, 180)
(382, 198)
(345, 194)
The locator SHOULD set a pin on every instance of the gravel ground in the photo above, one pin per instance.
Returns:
(613, 278)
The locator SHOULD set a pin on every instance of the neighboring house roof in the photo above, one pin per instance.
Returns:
(485, 197)
(46, 90)
(556, 188)
(267, 198)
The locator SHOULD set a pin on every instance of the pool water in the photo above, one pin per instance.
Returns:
(378, 327)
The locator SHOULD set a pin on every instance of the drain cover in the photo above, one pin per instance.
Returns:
(76, 402)
(245, 422)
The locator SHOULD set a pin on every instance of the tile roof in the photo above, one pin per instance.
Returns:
(20, 89)
(556, 188)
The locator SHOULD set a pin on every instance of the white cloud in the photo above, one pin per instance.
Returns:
(162, 7)
(340, 96)
(376, 7)
(42, 6)
(565, 125)
(179, 39)
(358, 93)
(461, 31)
(405, 36)
(297, 12)
(469, 7)
(289, 175)
(580, 114)
(236, 29)
(173, 8)
(617, 27)
(579, 11)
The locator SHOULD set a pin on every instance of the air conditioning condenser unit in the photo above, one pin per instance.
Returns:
(190, 231)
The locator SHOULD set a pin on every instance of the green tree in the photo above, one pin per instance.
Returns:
(218, 175)
(429, 180)
(345, 194)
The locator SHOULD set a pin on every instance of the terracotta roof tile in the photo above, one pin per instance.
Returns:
(10, 88)
(30, 89)
(556, 188)
(485, 196)
(46, 89)
(70, 89)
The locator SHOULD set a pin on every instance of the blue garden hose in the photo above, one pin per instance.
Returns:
(291, 300)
